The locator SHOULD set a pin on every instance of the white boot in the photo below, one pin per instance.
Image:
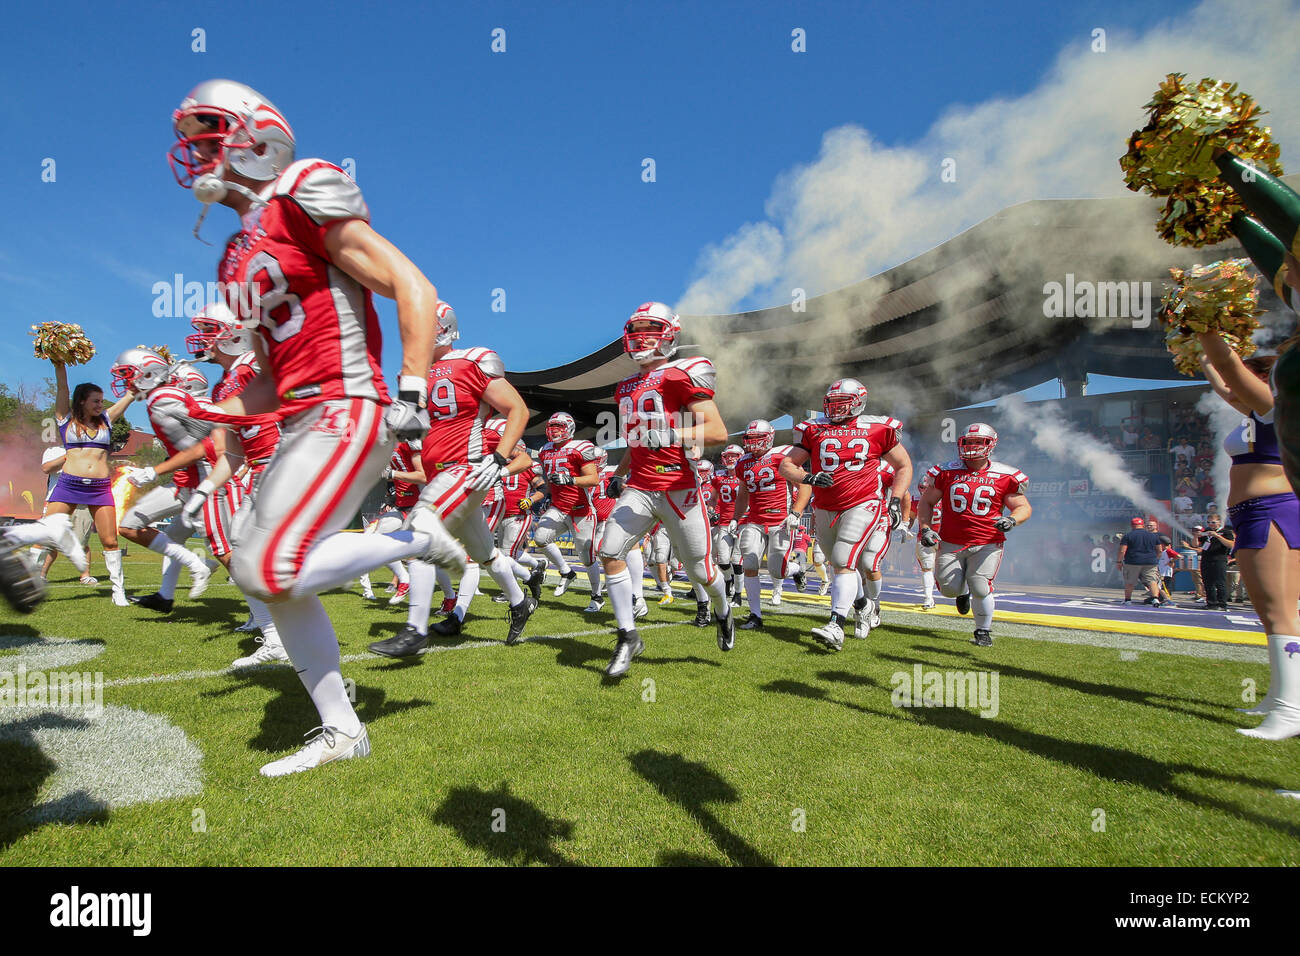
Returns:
(113, 559)
(1266, 704)
(1283, 719)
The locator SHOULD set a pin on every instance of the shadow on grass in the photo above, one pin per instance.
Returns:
(692, 785)
(290, 713)
(26, 768)
(505, 827)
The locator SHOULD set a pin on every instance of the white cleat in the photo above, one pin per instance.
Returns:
(825, 588)
(639, 609)
(596, 604)
(775, 600)
(928, 606)
(268, 653)
(862, 621)
(830, 634)
(444, 550)
(875, 614)
(88, 581)
(327, 746)
(199, 582)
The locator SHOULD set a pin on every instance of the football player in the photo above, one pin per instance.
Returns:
(303, 267)
(925, 555)
(189, 444)
(974, 490)
(460, 458)
(517, 514)
(664, 410)
(571, 467)
(768, 520)
(661, 553)
(844, 447)
(604, 505)
(405, 476)
(726, 489)
(873, 556)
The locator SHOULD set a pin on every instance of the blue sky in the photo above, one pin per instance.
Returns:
(519, 171)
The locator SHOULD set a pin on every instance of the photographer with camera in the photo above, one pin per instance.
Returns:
(1215, 544)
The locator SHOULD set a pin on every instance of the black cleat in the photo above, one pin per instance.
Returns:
(405, 643)
(703, 615)
(449, 626)
(800, 580)
(519, 615)
(752, 623)
(983, 637)
(726, 632)
(153, 602)
(565, 581)
(535, 582)
(21, 584)
(963, 603)
(629, 646)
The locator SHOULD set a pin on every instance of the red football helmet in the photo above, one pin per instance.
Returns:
(845, 399)
(977, 442)
(560, 427)
(759, 436)
(655, 336)
(730, 455)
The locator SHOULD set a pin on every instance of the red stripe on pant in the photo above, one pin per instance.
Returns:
(333, 469)
(453, 497)
(856, 551)
(708, 537)
(518, 544)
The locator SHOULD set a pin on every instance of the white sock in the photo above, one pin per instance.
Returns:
(593, 577)
(519, 571)
(503, 574)
(754, 595)
(530, 561)
(468, 585)
(620, 595)
(927, 579)
(701, 595)
(982, 610)
(399, 572)
(871, 587)
(636, 573)
(844, 588)
(444, 581)
(1284, 684)
(309, 640)
(420, 597)
(718, 591)
(171, 573)
(334, 561)
(552, 551)
(821, 571)
(366, 589)
(161, 544)
(260, 612)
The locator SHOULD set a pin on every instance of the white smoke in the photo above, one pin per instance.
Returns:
(1063, 443)
(1223, 418)
(863, 206)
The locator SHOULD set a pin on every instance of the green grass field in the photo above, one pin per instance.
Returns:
(778, 752)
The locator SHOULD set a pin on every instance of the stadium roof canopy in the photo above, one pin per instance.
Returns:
(965, 321)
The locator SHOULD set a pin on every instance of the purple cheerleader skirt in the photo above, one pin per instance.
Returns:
(1253, 518)
(83, 491)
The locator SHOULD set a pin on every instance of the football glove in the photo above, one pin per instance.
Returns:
(614, 487)
(141, 476)
(1004, 522)
(190, 512)
(560, 478)
(895, 513)
(487, 472)
(713, 517)
(406, 419)
(387, 474)
(662, 438)
(792, 520)
(731, 527)
(525, 504)
(929, 539)
(822, 479)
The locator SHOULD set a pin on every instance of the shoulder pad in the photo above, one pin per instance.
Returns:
(249, 359)
(164, 394)
(781, 450)
(808, 423)
(324, 191)
(488, 361)
(699, 370)
(865, 420)
(583, 448)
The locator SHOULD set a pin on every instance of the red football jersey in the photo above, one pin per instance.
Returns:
(568, 458)
(851, 452)
(177, 430)
(936, 513)
(725, 489)
(769, 493)
(317, 323)
(260, 440)
(457, 411)
(405, 493)
(887, 476)
(515, 487)
(604, 504)
(972, 500)
(661, 399)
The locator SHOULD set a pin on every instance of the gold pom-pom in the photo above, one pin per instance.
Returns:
(1220, 298)
(162, 350)
(62, 343)
(1199, 216)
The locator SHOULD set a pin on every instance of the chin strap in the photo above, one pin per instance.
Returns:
(210, 188)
